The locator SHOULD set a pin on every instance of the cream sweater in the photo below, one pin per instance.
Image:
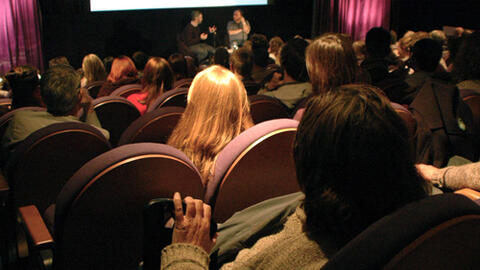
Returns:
(288, 249)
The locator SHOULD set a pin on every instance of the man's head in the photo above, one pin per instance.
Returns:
(59, 88)
(378, 42)
(426, 54)
(260, 50)
(292, 59)
(242, 62)
(237, 15)
(197, 16)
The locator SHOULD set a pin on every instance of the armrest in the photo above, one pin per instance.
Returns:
(35, 227)
(470, 193)
(4, 189)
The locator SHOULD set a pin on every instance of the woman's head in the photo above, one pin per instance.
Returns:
(217, 111)
(331, 62)
(157, 78)
(122, 68)
(93, 68)
(354, 162)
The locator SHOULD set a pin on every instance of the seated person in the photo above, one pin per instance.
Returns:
(221, 57)
(295, 84)
(193, 38)
(123, 72)
(465, 68)
(241, 62)
(157, 78)
(346, 170)
(93, 70)
(59, 60)
(238, 29)
(217, 111)
(274, 46)
(261, 60)
(24, 82)
(178, 63)
(61, 92)
(140, 59)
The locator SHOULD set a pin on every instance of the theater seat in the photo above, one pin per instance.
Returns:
(41, 164)
(439, 232)
(264, 108)
(255, 166)
(176, 97)
(94, 87)
(98, 220)
(127, 90)
(155, 126)
(183, 83)
(472, 98)
(115, 115)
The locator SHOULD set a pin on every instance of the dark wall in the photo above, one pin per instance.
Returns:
(70, 29)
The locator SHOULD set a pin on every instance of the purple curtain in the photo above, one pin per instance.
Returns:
(356, 17)
(20, 40)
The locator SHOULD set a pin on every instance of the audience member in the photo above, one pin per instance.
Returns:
(378, 47)
(221, 57)
(157, 78)
(360, 50)
(466, 68)
(123, 72)
(295, 84)
(178, 63)
(259, 48)
(93, 70)
(275, 45)
(140, 59)
(217, 111)
(24, 81)
(61, 92)
(241, 63)
(59, 60)
(107, 62)
(426, 55)
(343, 148)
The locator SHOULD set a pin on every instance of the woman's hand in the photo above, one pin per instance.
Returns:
(426, 171)
(193, 227)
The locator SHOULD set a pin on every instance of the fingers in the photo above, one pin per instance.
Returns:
(199, 208)
(190, 202)
(177, 204)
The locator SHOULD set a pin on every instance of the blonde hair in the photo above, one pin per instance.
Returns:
(93, 68)
(217, 111)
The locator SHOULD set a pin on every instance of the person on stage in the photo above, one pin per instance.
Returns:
(193, 37)
(238, 29)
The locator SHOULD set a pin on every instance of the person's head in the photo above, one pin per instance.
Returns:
(360, 50)
(408, 40)
(107, 63)
(378, 42)
(259, 48)
(59, 60)
(354, 163)
(25, 85)
(60, 90)
(426, 55)
(217, 111)
(122, 68)
(196, 16)
(157, 78)
(221, 57)
(241, 62)
(466, 65)
(178, 64)
(292, 59)
(237, 15)
(140, 59)
(440, 37)
(275, 44)
(331, 62)
(93, 68)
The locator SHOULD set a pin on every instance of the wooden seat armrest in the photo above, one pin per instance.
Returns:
(4, 189)
(35, 227)
(470, 193)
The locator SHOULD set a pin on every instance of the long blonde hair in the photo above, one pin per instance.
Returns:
(217, 111)
(93, 68)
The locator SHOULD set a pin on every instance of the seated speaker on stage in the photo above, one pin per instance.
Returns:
(193, 37)
(238, 29)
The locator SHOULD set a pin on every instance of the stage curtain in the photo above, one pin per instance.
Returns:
(20, 36)
(353, 17)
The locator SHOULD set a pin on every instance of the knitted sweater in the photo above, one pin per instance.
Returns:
(288, 249)
(458, 177)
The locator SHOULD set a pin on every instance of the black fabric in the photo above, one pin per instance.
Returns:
(381, 241)
(440, 112)
(191, 35)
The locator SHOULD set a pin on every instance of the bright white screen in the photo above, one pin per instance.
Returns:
(112, 5)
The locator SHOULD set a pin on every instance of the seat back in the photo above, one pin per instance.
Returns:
(115, 115)
(439, 232)
(94, 87)
(257, 165)
(98, 215)
(264, 108)
(127, 90)
(176, 97)
(252, 88)
(155, 126)
(183, 83)
(472, 98)
(42, 163)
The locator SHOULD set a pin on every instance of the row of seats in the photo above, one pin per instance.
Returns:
(101, 204)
